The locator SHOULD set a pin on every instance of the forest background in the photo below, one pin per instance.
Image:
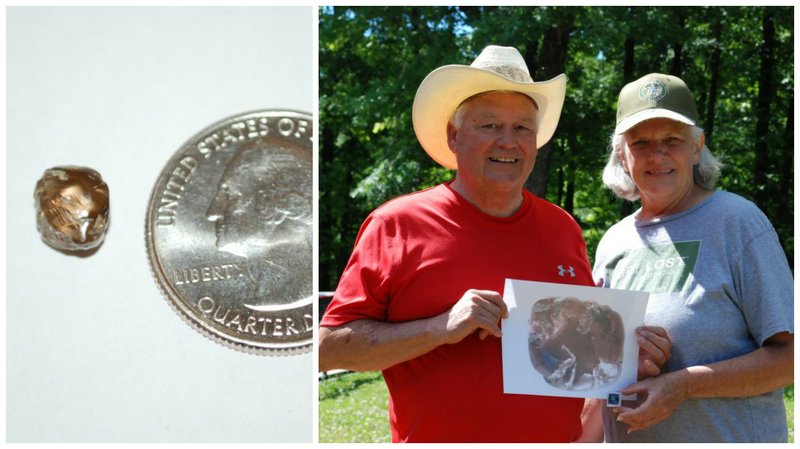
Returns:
(738, 62)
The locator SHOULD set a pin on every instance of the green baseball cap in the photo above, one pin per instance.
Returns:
(655, 96)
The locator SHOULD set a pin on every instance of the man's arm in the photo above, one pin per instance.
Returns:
(370, 345)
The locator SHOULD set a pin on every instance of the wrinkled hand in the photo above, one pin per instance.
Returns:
(654, 350)
(664, 394)
(476, 310)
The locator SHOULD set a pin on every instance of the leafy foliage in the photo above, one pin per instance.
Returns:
(372, 59)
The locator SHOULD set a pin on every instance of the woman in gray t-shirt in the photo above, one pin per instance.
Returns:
(719, 281)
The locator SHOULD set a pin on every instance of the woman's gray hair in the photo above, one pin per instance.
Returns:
(620, 182)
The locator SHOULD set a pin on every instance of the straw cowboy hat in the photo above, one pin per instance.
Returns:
(496, 68)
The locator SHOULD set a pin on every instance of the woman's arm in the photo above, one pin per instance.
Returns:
(766, 369)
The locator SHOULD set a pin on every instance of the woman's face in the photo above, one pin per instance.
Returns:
(659, 155)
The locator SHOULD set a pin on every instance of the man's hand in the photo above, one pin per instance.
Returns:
(654, 350)
(479, 310)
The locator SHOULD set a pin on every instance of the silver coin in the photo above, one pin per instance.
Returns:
(229, 232)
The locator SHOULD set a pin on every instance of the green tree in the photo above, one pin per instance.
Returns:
(372, 59)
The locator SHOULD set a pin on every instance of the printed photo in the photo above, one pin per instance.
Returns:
(566, 340)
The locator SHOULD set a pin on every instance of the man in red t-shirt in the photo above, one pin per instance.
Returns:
(419, 299)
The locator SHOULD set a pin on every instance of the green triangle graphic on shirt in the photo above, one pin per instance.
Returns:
(665, 268)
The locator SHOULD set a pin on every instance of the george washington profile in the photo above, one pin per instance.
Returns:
(262, 213)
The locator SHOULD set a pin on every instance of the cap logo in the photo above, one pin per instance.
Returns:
(653, 91)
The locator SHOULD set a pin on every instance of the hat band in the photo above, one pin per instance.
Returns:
(512, 73)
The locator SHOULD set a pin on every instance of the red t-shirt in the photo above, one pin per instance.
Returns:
(414, 258)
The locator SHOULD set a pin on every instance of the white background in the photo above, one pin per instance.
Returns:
(93, 351)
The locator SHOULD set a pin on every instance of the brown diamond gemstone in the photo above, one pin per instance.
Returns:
(72, 208)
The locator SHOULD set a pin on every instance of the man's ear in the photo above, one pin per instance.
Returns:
(452, 136)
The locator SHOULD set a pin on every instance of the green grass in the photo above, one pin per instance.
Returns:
(788, 400)
(353, 409)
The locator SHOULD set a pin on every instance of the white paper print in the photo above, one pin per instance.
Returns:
(568, 340)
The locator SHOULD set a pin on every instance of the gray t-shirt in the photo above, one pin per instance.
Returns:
(721, 286)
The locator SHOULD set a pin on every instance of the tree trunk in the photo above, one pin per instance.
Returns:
(628, 62)
(715, 71)
(765, 94)
(551, 63)
(326, 148)
(785, 208)
(559, 185)
(569, 196)
(675, 67)
(626, 207)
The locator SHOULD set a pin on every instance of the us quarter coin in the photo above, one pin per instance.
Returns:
(229, 232)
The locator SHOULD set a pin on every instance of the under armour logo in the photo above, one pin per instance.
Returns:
(562, 271)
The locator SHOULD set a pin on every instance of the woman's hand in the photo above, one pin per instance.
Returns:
(654, 350)
(664, 394)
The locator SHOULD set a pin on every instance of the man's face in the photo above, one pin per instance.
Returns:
(494, 142)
